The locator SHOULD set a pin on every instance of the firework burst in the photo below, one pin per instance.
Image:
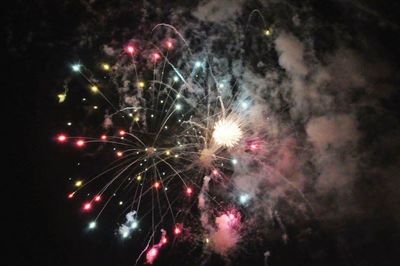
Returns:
(168, 129)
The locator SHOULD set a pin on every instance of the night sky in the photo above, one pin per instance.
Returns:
(328, 77)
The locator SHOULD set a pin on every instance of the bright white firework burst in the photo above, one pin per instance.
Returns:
(227, 132)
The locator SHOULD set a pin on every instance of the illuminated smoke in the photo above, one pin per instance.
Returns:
(226, 235)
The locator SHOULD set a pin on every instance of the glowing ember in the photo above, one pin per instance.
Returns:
(168, 44)
(80, 143)
(61, 138)
(177, 231)
(155, 56)
(130, 49)
(151, 255)
(87, 206)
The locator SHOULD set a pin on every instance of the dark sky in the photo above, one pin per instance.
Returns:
(42, 39)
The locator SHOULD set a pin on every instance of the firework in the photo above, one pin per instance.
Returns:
(170, 133)
(227, 133)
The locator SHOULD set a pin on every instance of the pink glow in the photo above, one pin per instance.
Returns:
(177, 230)
(87, 206)
(155, 57)
(62, 138)
(80, 143)
(169, 44)
(130, 49)
(151, 255)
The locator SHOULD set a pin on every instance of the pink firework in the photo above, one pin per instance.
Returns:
(130, 49)
(151, 255)
(62, 138)
(80, 143)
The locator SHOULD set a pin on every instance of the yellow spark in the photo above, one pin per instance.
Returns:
(136, 119)
(141, 84)
(94, 88)
(78, 183)
(168, 152)
(61, 97)
(106, 67)
(139, 177)
(268, 32)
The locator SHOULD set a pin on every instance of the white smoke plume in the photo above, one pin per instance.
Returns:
(129, 225)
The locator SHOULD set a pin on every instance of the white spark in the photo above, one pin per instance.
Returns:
(92, 225)
(76, 67)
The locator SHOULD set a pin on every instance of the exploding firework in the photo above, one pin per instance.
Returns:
(176, 134)
(167, 132)
(227, 133)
